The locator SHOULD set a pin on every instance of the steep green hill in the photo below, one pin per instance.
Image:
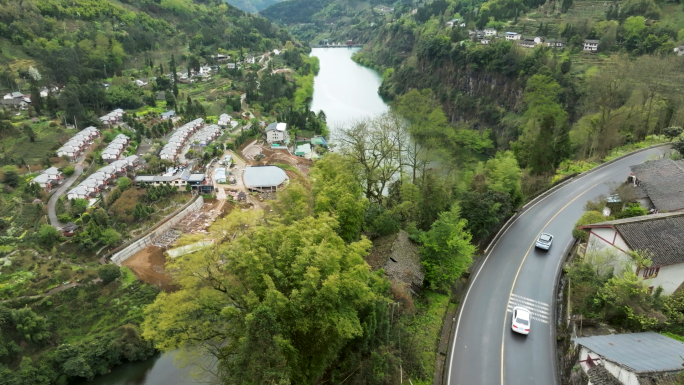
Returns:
(90, 39)
(253, 6)
(295, 11)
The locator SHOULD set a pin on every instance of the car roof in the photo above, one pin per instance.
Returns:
(545, 236)
(522, 312)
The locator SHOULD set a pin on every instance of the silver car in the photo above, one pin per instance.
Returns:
(544, 241)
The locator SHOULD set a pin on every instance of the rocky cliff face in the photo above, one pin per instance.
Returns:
(466, 92)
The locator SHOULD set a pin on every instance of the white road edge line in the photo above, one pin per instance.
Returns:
(462, 305)
(517, 273)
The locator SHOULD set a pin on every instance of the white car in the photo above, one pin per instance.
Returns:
(544, 241)
(520, 322)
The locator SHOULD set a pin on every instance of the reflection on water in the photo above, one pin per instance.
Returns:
(343, 89)
(158, 370)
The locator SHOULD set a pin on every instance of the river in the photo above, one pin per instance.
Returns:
(345, 91)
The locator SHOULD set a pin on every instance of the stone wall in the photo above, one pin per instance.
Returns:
(147, 240)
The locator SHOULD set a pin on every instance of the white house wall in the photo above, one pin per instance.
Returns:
(623, 375)
(602, 238)
(669, 277)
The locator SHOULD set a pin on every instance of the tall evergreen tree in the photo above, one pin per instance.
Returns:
(542, 155)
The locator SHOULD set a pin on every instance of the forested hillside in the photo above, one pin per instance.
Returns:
(90, 40)
(64, 315)
(253, 6)
(619, 94)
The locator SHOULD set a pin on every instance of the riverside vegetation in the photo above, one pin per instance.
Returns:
(285, 296)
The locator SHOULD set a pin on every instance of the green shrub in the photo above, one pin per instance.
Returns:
(587, 218)
(68, 170)
(109, 273)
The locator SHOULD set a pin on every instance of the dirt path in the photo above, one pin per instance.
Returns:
(51, 292)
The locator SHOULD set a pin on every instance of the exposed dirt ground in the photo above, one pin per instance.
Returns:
(148, 266)
(272, 156)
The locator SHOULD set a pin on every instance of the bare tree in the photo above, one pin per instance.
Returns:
(376, 148)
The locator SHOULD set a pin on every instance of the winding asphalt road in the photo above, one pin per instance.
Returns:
(52, 203)
(484, 350)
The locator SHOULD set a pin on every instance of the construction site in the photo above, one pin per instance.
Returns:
(259, 153)
(148, 264)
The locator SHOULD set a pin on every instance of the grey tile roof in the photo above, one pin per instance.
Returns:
(663, 181)
(598, 375)
(640, 352)
(404, 264)
(659, 379)
(660, 234)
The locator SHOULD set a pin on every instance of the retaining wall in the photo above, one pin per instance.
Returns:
(148, 239)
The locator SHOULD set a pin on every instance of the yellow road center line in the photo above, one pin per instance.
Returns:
(503, 340)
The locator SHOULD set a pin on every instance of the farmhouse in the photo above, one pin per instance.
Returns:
(591, 45)
(277, 133)
(631, 359)
(659, 235)
(659, 184)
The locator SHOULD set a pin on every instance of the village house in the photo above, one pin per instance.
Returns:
(69, 152)
(485, 41)
(529, 42)
(631, 359)
(224, 120)
(14, 95)
(277, 133)
(53, 174)
(168, 114)
(48, 178)
(513, 36)
(43, 180)
(657, 235)
(133, 161)
(591, 45)
(177, 178)
(18, 104)
(112, 118)
(490, 32)
(222, 57)
(659, 184)
(69, 229)
(78, 192)
(552, 43)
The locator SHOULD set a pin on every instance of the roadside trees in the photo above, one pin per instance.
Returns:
(447, 251)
